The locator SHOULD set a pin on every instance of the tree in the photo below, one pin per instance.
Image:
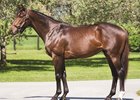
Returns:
(6, 15)
(4, 33)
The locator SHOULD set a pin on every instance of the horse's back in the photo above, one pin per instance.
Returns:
(111, 28)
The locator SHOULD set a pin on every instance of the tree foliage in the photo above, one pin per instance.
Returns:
(7, 9)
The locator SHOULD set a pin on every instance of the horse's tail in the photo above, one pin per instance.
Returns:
(124, 58)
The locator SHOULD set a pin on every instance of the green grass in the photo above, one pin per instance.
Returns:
(29, 43)
(33, 65)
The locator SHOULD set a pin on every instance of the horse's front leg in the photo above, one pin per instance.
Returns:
(58, 62)
(65, 85)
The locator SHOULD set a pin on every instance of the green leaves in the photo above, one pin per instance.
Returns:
(134, 36)
(3, 26)
(4, 31)
(91, 11)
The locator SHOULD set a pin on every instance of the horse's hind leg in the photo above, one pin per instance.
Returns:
(117, 70)
(122, 81)
(121, 74)
(114, 75)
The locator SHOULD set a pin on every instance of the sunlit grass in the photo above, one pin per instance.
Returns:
(34, 65)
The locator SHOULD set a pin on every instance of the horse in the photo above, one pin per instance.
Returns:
(64, 41)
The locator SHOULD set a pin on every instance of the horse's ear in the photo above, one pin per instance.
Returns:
(21, 7)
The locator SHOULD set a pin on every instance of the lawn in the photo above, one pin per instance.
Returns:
(34, 65)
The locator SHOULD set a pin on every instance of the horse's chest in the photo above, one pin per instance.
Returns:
(54, 44)
(50, 44)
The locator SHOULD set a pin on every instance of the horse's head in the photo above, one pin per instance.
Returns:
(21, 20)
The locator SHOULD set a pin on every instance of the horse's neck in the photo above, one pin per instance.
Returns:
(42, 25)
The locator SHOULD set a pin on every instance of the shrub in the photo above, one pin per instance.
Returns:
(134, 36)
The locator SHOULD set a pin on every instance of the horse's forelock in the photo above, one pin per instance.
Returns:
(20, 8)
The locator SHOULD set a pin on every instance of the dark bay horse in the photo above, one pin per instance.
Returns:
(63, 41)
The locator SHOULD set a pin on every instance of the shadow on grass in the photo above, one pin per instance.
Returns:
(78, 98)
(28, 65)
(46, 65)
(134, 59)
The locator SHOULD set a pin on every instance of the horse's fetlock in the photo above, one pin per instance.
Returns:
(121, 72)
(58, 75)
(59, 92)
(66, 91)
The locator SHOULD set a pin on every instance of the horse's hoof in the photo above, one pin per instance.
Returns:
(63, 98)
(108, 98)
(54, 98)
(119, 99)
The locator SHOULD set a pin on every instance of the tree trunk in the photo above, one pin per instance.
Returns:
(3, 54)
